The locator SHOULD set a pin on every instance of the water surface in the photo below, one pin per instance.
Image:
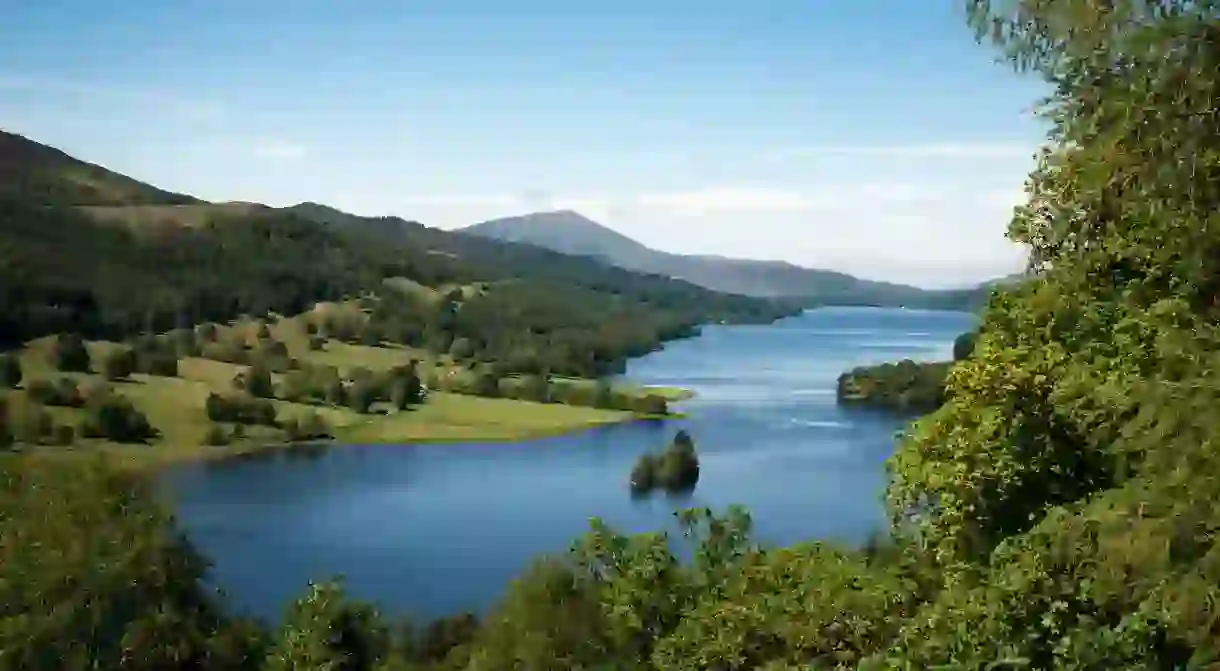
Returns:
(430, 530)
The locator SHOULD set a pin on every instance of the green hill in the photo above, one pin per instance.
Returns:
(48, 176)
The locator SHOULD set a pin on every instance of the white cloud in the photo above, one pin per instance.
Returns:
(280, 150)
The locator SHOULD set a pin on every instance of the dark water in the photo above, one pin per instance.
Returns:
(433, 529)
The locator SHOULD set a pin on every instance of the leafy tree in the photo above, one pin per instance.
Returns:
(68, 353)
(361, 394)
(61, 392)
(113, 417)
(256, 381)
(102, 533)
(323, 630)
(119, 363)
(963, 345)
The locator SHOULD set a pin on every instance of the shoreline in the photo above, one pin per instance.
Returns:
(392, 429)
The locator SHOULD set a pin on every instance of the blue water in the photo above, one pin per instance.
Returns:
(429, 530)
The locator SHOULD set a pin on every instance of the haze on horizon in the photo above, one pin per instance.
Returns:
(872, 137)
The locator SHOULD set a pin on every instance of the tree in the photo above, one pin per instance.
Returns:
(119, 363)
(103, 532)
(963, 345)
(361, 394)
(325, 631)
(113, 417)
(68, 353)
(256, 381)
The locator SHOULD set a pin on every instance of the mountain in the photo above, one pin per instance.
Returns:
(39, 173)
(572, 233)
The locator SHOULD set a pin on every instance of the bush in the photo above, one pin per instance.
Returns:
(256, 381)
(61, 392)
(309, 426)
(28, 423)
(113, 417)
(161, 364)
(119, 363)
(68, 353)
(216, 436)
(361, 394)
(10, 371)
(240, 409)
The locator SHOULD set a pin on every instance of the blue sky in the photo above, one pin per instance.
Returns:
(871, 136)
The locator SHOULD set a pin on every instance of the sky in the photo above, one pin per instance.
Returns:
(874, 137)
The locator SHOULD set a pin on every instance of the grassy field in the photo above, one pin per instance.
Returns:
(175, 405)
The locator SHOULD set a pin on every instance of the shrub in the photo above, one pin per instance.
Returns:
(361, 394)
(28, 423)
(113, 417)
(239, 409)
(256, 381)
(308, 426)
(68, 353)
(119, 363)
(58, 392)
(216, 436)
(161, 364)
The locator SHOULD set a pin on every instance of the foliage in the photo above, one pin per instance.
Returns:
(675, 469)
(111, 416)
(963, 345)
(118, 363)
(255, 381)
(104, 580)
(62, 391)
(905, 387)
(68, 353)
(240, 408)
(308, 426)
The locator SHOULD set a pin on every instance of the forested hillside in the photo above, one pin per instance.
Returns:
(1059, 511)
(112, 267)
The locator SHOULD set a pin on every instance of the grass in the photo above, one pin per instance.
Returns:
(175, 406)
(459, 418)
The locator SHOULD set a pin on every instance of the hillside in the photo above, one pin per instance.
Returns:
(572, 233)
(124, 257)
(46, 175)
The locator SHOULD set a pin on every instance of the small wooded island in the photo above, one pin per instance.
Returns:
(675, 469)
(906, 387)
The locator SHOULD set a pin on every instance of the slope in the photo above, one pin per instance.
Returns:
(48, 176)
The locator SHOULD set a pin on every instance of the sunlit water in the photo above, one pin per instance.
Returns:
(433, 529)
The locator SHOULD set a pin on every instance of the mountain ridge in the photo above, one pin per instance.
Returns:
(570, 232)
